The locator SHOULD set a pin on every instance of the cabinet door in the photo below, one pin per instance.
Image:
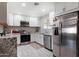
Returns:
(27, 19)
(16, 20)
(37, 37)
(34, 22)
(71, 5)
(10, 19)
(22, 18)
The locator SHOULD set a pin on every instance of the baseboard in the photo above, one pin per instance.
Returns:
(43, 46)
(49, 49)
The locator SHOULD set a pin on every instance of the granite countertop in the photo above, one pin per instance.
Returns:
(10, 35)
(8, 46)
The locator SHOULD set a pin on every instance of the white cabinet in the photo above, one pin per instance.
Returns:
(13, 20)
(71, 5)
(21, 18)
(18, 39)
(10, 19)
(34, 22)
(27, 19)
(16, 20)
(37, 37)
(51, 17)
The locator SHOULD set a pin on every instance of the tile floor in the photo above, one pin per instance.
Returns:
(33, 50)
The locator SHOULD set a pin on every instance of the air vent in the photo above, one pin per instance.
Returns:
(36, 3)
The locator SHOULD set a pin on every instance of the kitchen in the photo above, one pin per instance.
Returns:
(23, 22)
(39, 29)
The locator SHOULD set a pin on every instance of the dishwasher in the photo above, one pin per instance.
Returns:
(48, 42)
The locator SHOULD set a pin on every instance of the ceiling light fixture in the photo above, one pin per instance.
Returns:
(43, 10)
(36, 3)
(24, 4)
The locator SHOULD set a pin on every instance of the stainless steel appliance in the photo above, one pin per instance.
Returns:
(25, 38)
(66, 38)
(24, 24)
(48, 42)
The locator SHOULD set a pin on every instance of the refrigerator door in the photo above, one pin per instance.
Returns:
(68, 35)
(68, 42)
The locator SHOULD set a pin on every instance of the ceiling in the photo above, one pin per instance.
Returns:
(30, 9)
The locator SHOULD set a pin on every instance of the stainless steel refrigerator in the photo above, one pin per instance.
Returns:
(66, 39)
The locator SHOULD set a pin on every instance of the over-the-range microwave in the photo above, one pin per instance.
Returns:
(24, 24)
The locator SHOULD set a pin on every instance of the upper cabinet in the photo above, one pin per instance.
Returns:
(16, 20)
(13, 20)
(24, 18)
(65, 7)
(10, 19)
(34, 22)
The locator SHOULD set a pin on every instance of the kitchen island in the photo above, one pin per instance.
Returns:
(8, 46)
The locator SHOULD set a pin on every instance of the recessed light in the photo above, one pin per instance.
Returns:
(24, 4)
(43, 10)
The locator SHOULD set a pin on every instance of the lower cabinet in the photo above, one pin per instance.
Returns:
(37, 37)
(18, 39)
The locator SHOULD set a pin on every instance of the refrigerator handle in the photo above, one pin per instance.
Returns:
(61, 33)
(60, 29)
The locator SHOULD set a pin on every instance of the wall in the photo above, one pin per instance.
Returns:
(3, 11)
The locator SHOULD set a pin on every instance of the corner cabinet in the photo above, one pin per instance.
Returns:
(34, 22)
